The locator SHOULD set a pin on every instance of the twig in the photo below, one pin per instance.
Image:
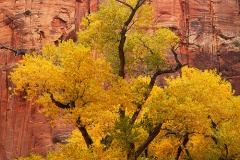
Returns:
(16, 52)
(126, 4)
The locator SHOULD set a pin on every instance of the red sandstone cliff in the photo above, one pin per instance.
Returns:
(210, 29)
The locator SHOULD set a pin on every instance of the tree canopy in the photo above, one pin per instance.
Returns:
(113, 101)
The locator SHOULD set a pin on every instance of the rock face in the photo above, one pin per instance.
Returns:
(28, 25)
(210, 32)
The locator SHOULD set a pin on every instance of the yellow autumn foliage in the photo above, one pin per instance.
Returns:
(195, 116)
(146, 43)
(70, 73)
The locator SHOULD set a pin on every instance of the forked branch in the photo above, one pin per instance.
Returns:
(82, 128)
(123, 35)
(178, 66)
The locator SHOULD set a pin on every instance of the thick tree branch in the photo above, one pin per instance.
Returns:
(87, 138)
(179, 65)
(140, 3)
(136, 113)
(16, 52)
(123, 37)
(122, 43)
(154, 77)
(226, 149)
(81, 127)
(175, 55)
(131, 151)
(61, 105)
(150, 138)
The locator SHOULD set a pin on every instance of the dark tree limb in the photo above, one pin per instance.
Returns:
(107, 141)
(150, 138)
(180, 148)
(89, 6)
(121, 113)
(82, 128)
(175, 55)
(226, 149)
(61, 105)
(123, 36)
(131, 151)
(16, 51)
(123, 40)
(136, 113)
(179, 65)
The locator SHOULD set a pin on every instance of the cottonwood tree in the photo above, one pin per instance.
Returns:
(113, 100)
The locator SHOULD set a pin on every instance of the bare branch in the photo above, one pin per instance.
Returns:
(136, 113)
(175, 47)
(16, 52)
